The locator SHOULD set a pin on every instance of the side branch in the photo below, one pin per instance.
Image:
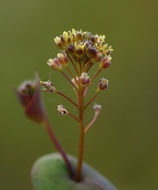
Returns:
(99, 70)
(92, 122)
(72, 62)
(91, 100)
(69, 99)
(64, 74)
(74, 117)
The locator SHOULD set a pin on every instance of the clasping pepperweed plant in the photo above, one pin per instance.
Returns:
(82, 50)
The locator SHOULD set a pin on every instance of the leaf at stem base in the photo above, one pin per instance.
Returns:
(50, 173)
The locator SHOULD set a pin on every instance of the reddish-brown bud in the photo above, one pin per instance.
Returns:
(84, 79)
(105, 63)
(91, 51)
(55, 64)
(71, 48)
(62, 58)
(30, 98)
(103, 84)
(98, 57)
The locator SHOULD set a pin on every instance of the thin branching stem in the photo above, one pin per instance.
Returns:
(74, 117)
(92, 122)
(69, 99)
(65, 75)
(94, 76)
(73, 76)
(91, 100)
(72, 62)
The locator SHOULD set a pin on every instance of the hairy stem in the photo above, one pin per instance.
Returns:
(59, 148)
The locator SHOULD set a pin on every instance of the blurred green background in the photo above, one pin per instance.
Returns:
(123, 144)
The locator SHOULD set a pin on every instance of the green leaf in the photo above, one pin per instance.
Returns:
(50, 173)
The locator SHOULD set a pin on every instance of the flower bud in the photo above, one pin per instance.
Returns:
(79, 50)
(84, 79)
(97, 108)
(105, 63)
(30, 98)
(98, 57)
(58, 42)
(48, 86)
(79, 35)
(71, 48)
(55, 64)
(91, 51)
(62, 58)
(61, 110)
(103, 84)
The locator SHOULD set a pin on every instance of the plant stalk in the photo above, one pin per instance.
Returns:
(82, 134)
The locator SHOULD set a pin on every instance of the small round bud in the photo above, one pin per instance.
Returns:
(71, 48)
(105, 63)
(97, 108)
(98, 57)
(84, 79)
(79, 50)
(79, 36)
(61, 110)
(62, 58)
(58, 42)
(94, 38)
(55, 64)
(103, 84)
(48, 86)
(91, 51)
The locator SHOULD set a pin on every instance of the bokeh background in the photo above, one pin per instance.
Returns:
(123, 144)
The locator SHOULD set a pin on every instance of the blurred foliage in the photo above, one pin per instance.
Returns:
(123, 143)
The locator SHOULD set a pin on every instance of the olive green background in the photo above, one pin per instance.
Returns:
(123, 143)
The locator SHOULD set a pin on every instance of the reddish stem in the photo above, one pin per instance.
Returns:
(95, 75)
(59, 148)
(64, 74)
(63, 95)
(92, 122)
(74, 117)
(91, 100)
(72, 62)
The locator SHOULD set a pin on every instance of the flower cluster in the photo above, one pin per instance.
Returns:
(82, 50)
(85, 48)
